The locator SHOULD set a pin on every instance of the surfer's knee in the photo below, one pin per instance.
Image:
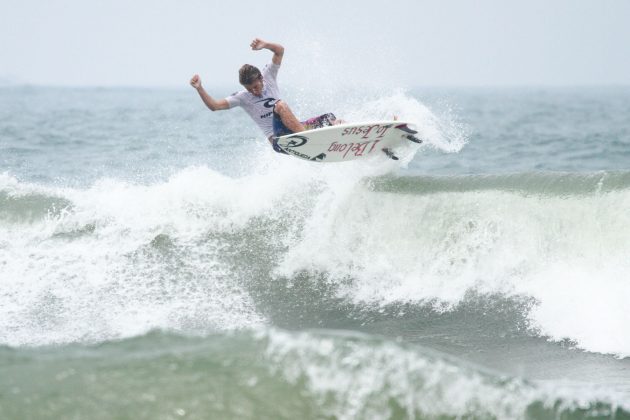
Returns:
(280, 107)
(286, 116)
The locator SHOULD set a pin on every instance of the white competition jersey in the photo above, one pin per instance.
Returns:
(260, 108)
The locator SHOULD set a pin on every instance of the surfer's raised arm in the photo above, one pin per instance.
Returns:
(213, 104)
(277, 49)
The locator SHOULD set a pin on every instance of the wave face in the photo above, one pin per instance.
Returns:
(118, 259)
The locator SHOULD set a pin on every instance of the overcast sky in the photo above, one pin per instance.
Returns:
(407, 43)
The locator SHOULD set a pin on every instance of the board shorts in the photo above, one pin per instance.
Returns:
(325, 120)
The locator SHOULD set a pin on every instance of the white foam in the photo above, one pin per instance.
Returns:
(62, 285)
(569, 253)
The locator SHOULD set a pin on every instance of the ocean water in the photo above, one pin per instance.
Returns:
(159, 261)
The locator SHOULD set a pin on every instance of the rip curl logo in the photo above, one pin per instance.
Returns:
(268, 102)
(294, 141)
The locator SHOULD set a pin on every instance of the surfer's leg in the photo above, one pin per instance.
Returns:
(279, 129)
(287, 117)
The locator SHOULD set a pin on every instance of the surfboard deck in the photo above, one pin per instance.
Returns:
(345, 142)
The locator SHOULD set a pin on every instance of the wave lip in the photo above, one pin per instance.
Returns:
(547, 184)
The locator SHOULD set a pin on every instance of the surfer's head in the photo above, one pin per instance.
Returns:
(251, 78)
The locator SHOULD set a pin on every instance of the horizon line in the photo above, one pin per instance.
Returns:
(228, 87)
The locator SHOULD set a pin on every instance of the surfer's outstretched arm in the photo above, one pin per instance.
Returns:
(277, 49)
(213, 104)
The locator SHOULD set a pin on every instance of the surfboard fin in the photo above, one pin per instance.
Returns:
(406, 129)
(410, 133)
(390, 154)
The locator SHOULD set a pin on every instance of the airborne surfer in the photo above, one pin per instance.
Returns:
(261, 98)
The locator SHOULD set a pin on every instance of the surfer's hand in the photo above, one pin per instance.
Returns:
(258, 44)
(195, 81)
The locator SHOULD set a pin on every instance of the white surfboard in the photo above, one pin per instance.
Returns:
(339, 143)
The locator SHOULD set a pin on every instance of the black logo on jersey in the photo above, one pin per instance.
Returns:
(268, 102)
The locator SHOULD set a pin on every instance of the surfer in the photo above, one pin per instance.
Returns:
(261, 98)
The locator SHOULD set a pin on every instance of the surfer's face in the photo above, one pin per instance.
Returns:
(255, 87)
